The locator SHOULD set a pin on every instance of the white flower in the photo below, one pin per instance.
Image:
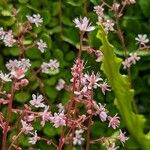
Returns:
(142, 39)
(52, 65)
(78, 139)
(133, 58)
(34, 139)
(8, 39)
(2, 33)
(37, 101)
(60, 85)
(41, 45)
(83, 24)
(61, 108)
(5, 77)
(36, 19)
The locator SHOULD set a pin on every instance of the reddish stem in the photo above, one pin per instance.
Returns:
(5, 130)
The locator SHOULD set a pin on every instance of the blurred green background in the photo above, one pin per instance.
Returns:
(62, 38)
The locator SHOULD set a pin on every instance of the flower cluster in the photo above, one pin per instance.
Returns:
(7, 37)
(18, 68)
(130, 60)
(107, 23)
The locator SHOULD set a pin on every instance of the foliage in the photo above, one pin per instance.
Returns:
(62, 40)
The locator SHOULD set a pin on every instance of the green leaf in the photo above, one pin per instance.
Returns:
(75, 2)
(70, 56)
(45, 14)
(14, 51)
(55, 8)
(22, 97)
(23, 1)
(33, 53)
(124, 94)
(51, 92)
(145, 6)
(49, 130)
(73, 39)
(51, 81)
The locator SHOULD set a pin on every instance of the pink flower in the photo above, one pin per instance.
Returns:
(99, 10)
(114, 122)
(130, 60)
(37, 101)
(102, 112)
(26, 128)
(126, 64)
(83, 24)
(115, 6)
(103, 116)
(46, 116)
(104, 87)
(109, 25)
(122, 137)
(24, 82)
(93, 80)
(41, 45)
(34, 139)
(58, 119)
(77, 69)
(18, 73)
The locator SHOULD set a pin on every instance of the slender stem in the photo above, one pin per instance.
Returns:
(81, 39)
(88, 134)
(61, 140)
(71, 143)
(14, 140)
(5, 130)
